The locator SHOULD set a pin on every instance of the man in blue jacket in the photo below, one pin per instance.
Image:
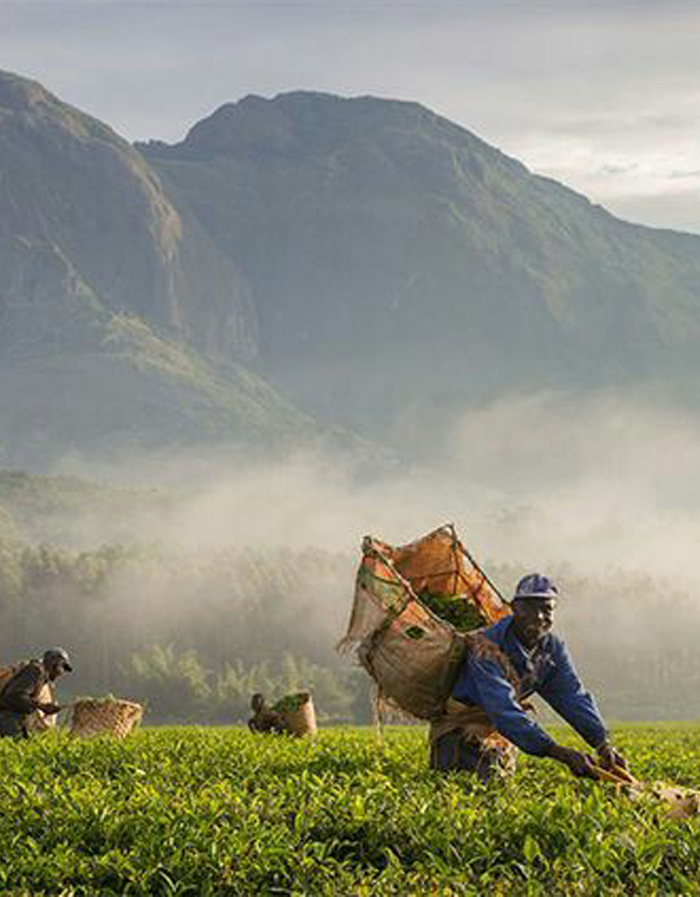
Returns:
(486, 718)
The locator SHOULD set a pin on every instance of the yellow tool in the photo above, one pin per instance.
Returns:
(682, 803)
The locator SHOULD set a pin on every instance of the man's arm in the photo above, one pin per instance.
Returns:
(564, 692)
(498, 699)
(18, 694)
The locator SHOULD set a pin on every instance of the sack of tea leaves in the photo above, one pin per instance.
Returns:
(297, 713)
(414, 607)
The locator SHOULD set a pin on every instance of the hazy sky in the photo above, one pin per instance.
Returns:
(604, 96)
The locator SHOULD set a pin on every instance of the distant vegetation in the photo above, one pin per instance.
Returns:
(193, 637)
(58, 509)
(196, 635)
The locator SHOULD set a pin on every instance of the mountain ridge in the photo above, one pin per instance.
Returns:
(69, 170)
(121, 324)
(400, 230)
(362, 261)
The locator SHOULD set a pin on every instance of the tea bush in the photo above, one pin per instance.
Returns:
(205, 811)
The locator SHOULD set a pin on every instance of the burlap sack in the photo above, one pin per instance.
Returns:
(414, 660)
(412, 654)
(301, 722)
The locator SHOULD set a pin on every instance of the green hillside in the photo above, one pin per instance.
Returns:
(135, 391)
(9, 531)
(122, 327)
(60, 509)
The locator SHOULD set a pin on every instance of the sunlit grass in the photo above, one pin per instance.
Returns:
(216, 810)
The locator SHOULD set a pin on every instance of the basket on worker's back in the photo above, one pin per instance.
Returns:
(37, 721)
(298, 714)
(105, 716)
(413, 610)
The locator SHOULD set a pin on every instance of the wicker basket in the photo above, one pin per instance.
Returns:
(105, 717)
(301, 722)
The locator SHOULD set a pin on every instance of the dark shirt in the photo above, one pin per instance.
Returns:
(266, 721)
(20, 694)
(548, 671)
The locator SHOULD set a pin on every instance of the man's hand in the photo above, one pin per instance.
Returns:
(609, 757)
(50, 709)
(580, 764)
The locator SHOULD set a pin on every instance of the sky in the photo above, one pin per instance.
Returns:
(604, 96)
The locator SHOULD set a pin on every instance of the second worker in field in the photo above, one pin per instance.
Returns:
(486, 718)
(28, 691)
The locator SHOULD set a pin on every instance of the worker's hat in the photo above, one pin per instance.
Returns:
(534, 585)
(58, 655)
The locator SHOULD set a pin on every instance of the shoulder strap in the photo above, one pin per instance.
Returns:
(482, 648)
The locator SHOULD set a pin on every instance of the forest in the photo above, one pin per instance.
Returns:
(194, 634)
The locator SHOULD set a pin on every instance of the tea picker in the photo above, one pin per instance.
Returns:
(27, 691)
(293, 714)
(443, 645)
(486, 715)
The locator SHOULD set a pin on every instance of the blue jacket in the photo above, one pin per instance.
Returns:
(548, 671)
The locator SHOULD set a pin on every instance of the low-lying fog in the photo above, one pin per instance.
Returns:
(602, 482)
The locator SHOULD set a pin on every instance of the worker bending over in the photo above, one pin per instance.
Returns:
(22, 694)
(264, 719)
(486, 717)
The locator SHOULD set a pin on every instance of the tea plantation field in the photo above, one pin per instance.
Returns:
(220, 811)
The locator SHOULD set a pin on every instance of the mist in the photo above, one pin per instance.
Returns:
(601, 481)
(213, 576)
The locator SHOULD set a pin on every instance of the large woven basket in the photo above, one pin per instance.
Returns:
(301, 722)
(105, 717)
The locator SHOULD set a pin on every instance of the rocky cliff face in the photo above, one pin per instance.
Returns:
(87, 230)
(122, 325)
(368, 257)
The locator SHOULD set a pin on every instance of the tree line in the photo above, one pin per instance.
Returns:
(195, 634)
(192, 636)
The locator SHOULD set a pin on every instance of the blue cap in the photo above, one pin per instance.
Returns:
(535, 585)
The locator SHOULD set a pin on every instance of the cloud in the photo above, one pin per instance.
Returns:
(606, 480)
(682, 175)
(568, 88)
(617, 170)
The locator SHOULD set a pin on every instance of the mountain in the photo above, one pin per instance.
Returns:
(86, 226)
(135, 392)
(122, 325)
(74, 513)
(397, 261)
(306, 258)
